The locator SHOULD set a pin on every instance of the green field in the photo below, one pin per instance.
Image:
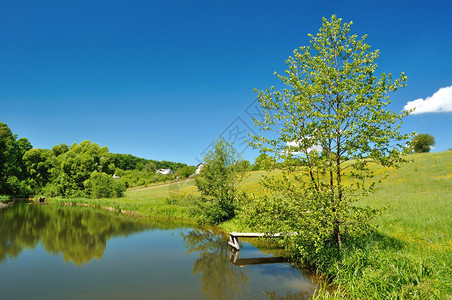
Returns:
(408, 257)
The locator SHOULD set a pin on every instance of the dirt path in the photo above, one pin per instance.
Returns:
(160, 185)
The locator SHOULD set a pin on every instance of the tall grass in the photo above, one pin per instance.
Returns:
(166, 201)
(410, 254)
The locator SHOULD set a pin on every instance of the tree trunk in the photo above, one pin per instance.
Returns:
(337, 234)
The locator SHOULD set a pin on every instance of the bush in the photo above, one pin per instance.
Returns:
(186, 171)
(18, 188)
(102, 185)
(50, 190)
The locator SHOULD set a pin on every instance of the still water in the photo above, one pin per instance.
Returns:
(49, 252)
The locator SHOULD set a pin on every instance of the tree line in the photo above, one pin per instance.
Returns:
(79, 170)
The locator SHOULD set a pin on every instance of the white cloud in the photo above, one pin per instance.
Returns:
(296, 144)
(441, 101)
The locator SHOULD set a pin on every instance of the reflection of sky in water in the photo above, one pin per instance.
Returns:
(280, 278)
(247, 251)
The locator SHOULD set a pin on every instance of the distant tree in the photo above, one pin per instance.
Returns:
(422, 143)
(102, 185)
(149, 168)
(244, 165)
(263, 161)
(186, 171)
(167, 164)
(218, 183)
(127, 161)
(131, 162)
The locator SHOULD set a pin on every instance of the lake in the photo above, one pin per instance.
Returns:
(53, 252)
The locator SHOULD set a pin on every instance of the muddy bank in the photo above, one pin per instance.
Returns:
(4, 205)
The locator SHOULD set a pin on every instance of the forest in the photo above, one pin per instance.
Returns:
(79, 170)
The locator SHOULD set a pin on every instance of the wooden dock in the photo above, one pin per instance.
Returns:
(234, 237)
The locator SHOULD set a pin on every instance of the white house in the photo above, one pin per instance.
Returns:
(200, 166)
(165, 172)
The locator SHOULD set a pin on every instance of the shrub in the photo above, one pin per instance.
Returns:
(102, 185)
(218, 183)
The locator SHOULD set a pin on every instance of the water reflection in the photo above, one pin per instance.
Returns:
(79, 234)
(219, 278)
(226, 276)
(234, 259)
(151, 264)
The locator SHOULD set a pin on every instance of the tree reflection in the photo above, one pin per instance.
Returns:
(79, 233)
(219, 278)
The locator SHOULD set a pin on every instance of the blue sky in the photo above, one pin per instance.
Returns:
(162, 79)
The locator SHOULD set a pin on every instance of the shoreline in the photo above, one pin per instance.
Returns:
(129, 213)
(5, 205)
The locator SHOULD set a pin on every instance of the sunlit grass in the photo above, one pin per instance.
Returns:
(149, 202)
(410, 256)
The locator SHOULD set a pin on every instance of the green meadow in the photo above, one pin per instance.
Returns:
(409, 256)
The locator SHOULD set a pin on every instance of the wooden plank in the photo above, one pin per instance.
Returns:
(253, 234)
(234, 237)
(234, 242)
(234, 246)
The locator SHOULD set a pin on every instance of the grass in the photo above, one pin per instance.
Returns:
(166, 201)
(408, 257)
(410, 254)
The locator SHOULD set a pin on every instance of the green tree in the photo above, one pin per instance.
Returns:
(263, 162)
(38, 163)
(218, 183)
(423, 143)
(6, 151)
(102, 185)
(13, 173)
(60, 149)
(186, 171)
(73, 167)
(333, 98)
(244, 165)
